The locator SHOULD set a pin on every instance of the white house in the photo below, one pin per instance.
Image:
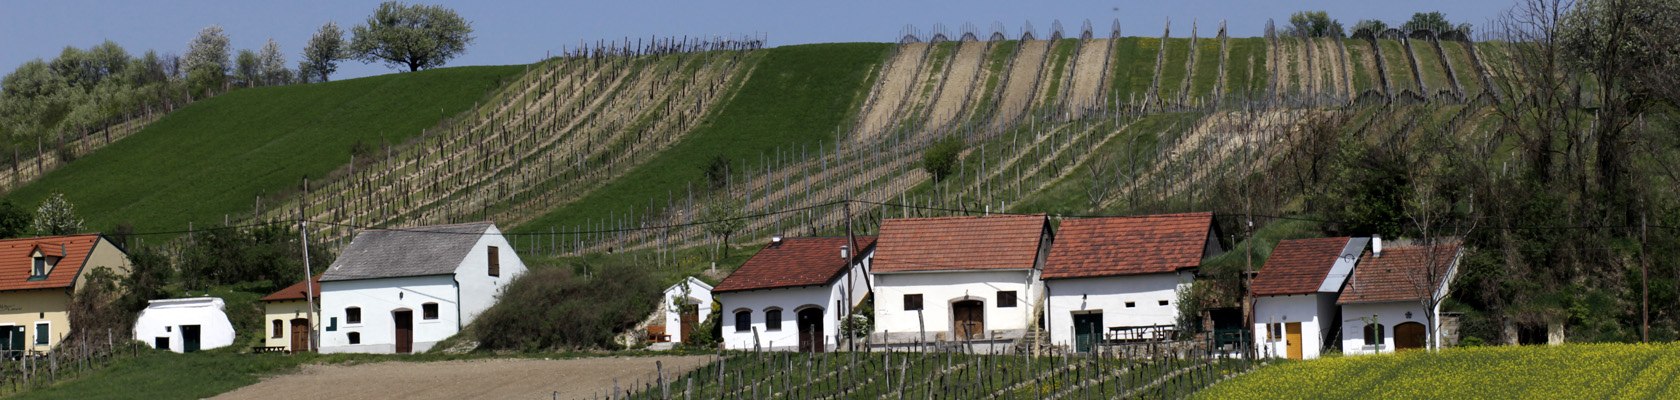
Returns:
(403, 290)
(792, 294)
(1383, 304)
(686, 305)
(965, 279)
(1295, 313)
(184, 325)
(1118, 278)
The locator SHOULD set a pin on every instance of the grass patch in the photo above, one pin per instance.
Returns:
(1207, 68)
(793, 98)
(217, 156)
(1429, 65)
(1364, 78)
(1173, 69)
(1468, 77)
(1246, 72)
(1398, 66)
(1059, 58)
(1135, 142)
(1567, 371)
(1134, 67)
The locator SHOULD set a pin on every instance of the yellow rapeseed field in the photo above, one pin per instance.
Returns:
(1574, 371)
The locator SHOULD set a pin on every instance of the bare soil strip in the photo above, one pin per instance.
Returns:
(966, 65)
(474, 379)
(898, 79)
(1029, 63)
(1088, 74)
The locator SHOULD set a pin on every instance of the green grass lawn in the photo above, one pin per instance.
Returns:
(796, 95)
(218, 155)
(1363, 78)
(1574, 371)
(1429, 65)
(1134, 67)
(1207, 68)
(1468, 77)
(1398, 66)
(1173, 69)
(1246, 69)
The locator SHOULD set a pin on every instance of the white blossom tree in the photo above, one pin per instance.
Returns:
(57, 216)
(322, 54)
(272, 65)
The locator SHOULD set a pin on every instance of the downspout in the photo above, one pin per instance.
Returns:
(459, 319)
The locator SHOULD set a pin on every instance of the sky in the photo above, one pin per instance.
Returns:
(519, 32)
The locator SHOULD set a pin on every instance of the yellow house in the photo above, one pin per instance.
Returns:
(287, 319)
(38, 278)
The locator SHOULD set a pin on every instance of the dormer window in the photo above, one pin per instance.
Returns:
(40, 267)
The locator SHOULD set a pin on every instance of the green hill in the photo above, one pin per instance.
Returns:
(1575, 371)
(216, 156)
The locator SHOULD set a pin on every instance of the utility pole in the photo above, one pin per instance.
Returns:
(308, 283)
(1644, 283)
(851, 254)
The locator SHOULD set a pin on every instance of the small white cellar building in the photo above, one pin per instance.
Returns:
(791, 294)
(686, 305)
(970, 280)
(403, 290)
(1118, 278)
(1383, 305)
(184, 325)
(1295, 312)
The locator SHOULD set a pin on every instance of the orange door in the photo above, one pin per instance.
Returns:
(1292, 338)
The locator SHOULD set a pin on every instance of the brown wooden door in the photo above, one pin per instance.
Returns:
(1409, 335)
(686, 320)
(968, 318)
(300, 335)
(810, 323)
(405, 330)
(1292, 338)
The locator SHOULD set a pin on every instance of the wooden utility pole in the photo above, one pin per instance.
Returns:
(1644, 283)
(308, 284)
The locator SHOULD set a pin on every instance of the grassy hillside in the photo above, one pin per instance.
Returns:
(795, 95)
(218, 155)
(1575, 371)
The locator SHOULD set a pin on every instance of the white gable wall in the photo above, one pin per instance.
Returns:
(164, 318)
(939, 290)
(1316, 313)
(378, 298)
(479, 290)
(1109, 296)
(1388, 314)
(698, 292)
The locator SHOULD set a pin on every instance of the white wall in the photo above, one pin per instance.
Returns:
(1109, 295)
(698, 292)
(377, 299)
(1316, 313)
(479, 290)
(939, 290)
(790, 301)
(1388, 314)
(163, 318)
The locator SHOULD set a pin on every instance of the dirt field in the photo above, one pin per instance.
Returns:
(1018, 90)
(475, 379)
(1088, 75)
(895, 81)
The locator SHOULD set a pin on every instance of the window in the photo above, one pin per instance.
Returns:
(161, 342)
(355, 337)
(353, 315)
(1131, 304)
(278, 328)
(743, 320)
(1006, 299)
(40, 267)
(1274, 331)
(1164, 303)
(773, 319)
(43, 331)
(1374, 335)
(429, 311)
(912, 302)
(495, 261)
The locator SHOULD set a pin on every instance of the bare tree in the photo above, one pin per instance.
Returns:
(1540, 107)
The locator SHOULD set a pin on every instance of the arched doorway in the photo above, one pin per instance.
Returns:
(968, 319)
(810, 322)
(403, 318)
(1409, 335)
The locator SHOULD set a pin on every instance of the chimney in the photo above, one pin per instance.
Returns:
(775, 240)
(1376, 246)
(845, 252)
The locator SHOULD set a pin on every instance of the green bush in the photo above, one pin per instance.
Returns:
(553, 308)
(940, 159)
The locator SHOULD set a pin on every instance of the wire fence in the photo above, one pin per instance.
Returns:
(71, 358)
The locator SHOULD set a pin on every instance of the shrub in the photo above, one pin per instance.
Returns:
(940, 159)
(553, 308)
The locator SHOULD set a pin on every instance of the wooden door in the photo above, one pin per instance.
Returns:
(968, 319)
(300, 335)
(189, 338)
(810, 322)
(1410, 335)
(405, 330)
(686, 320)
(1292, 338)
(1087, 330)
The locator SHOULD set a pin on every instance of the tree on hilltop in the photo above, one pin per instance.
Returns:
(1314, 24)
(417, 36)
(321, 55)
(57, 216)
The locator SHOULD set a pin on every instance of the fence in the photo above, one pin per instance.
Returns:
(1153, 369)
(71, 358)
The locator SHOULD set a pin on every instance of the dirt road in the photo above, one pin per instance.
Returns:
(474, 379)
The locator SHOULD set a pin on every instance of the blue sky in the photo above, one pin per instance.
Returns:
(517, 32)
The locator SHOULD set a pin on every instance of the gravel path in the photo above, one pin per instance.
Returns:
(473, 379)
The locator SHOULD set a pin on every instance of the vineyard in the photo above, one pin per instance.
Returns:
(1567, 371)
(1146, 370)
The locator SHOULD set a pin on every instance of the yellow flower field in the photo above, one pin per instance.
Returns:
(1575, 371)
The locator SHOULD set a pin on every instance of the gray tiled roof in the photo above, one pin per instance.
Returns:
(417, 251)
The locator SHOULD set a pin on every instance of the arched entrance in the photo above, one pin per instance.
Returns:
(810, 322)
(404, 321)
(968, 319)
(1410, 335)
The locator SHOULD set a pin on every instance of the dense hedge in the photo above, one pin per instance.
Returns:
(555, 308)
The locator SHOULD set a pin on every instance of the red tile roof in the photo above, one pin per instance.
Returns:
(295, 291)
(796, 262)
(1298, 266)
(999, 242)
(17, 260)
(1114, 246)
(1400, 274)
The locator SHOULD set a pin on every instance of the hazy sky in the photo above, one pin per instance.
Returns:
(517, 32)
